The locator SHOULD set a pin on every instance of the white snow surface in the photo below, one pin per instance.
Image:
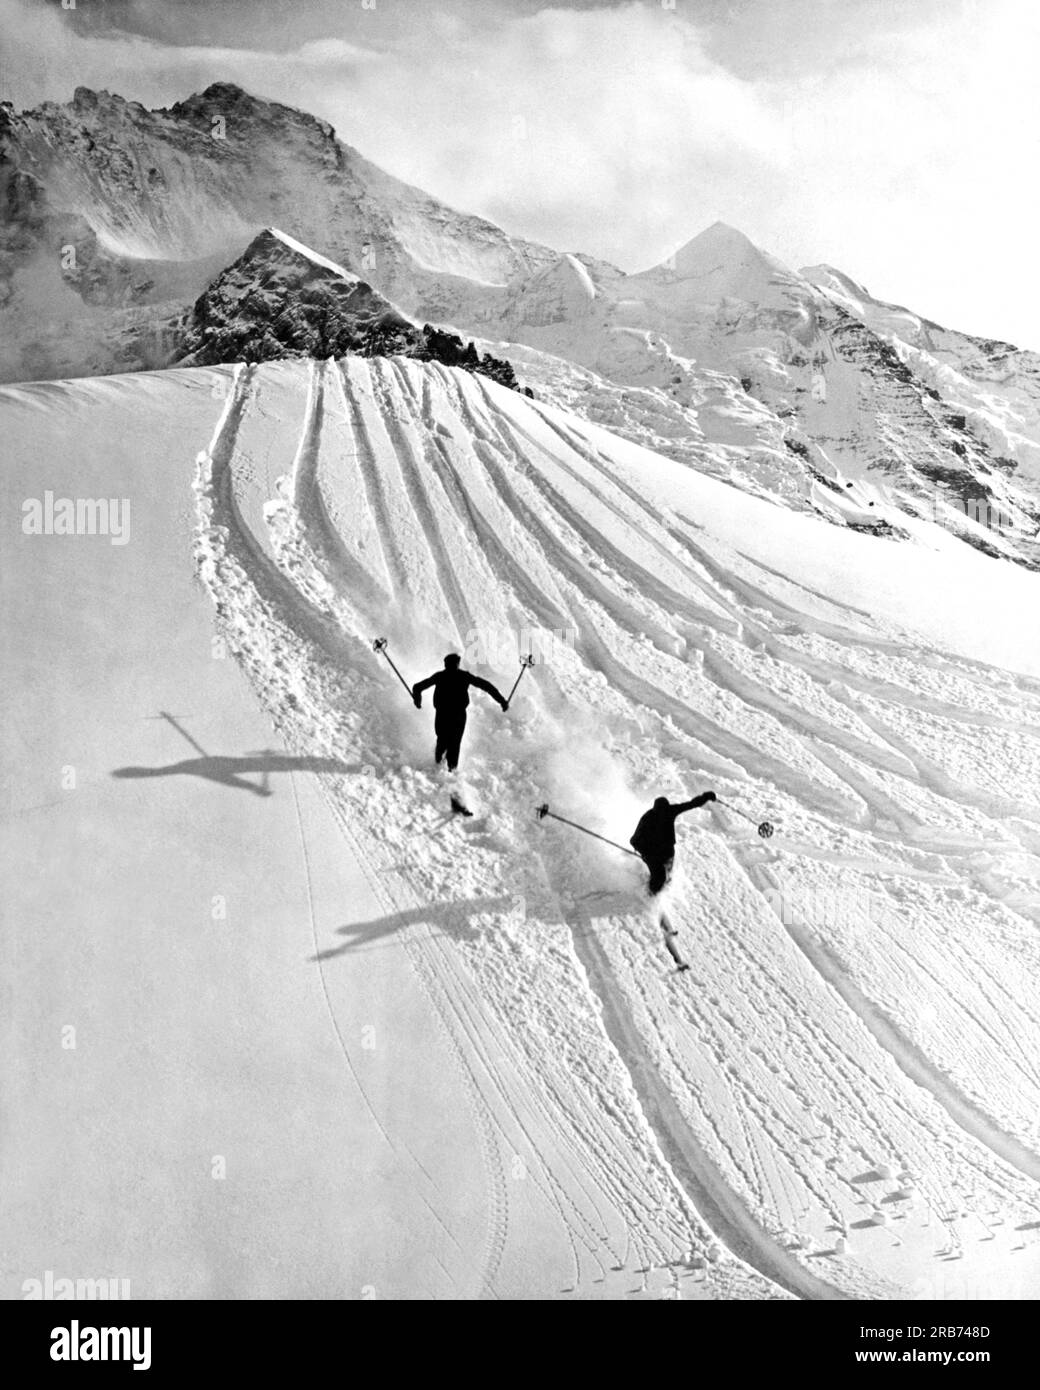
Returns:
(451, 1058)
(306, 251)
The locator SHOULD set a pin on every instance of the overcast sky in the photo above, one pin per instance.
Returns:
(896, 139)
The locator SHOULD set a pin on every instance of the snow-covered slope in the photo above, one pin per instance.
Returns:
(886, 934)
(839, 1097)
(189, 1104)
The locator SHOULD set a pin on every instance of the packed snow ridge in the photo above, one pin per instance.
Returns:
(306, 251)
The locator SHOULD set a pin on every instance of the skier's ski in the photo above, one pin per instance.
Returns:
(463, 797)
(670, 933)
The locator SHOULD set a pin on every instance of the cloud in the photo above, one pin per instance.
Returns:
(905, 157)
(554, 123)
(910, 169)
(46, 56)
(544, 122)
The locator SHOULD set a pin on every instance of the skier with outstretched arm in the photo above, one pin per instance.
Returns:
(654, 838)
(654, 842)
(451, 687)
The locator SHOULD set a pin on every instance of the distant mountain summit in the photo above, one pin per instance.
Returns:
(723, 263)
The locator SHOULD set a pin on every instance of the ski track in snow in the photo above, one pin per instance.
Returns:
(711, 1127)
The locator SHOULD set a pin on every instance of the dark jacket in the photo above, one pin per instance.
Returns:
(654, 837)
(451, 689)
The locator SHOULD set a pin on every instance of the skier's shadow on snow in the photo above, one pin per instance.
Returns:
(233, 772)
(448, 919)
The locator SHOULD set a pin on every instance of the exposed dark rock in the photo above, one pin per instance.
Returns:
(277, 301)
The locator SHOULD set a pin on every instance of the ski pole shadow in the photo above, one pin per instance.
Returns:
(454, 919)
(234, 771)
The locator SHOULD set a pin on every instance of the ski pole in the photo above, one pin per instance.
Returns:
(525, 662)
(543, 811)
(764, 827)
(379, 645)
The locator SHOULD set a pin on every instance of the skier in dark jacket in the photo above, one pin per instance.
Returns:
(450, 702)
(654, 838)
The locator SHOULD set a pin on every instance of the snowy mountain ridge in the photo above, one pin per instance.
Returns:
(791, 385)
(181, 186)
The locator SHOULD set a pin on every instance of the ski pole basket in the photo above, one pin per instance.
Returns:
(765, 828)
(379, 645)
(525, 663)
